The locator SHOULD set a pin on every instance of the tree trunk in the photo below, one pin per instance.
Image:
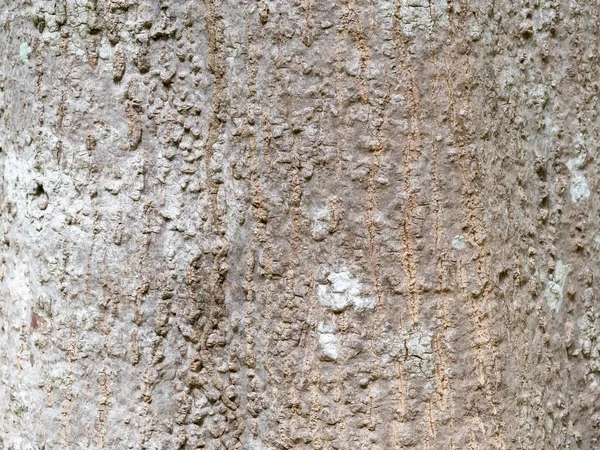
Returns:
(271, 224)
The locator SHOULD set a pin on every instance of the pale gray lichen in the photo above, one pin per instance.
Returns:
(556, 285)
(24, 51)
(587, 343)
(413, 347)
(320, 224)
(343, 290)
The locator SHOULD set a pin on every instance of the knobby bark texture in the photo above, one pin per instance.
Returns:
(299, 224)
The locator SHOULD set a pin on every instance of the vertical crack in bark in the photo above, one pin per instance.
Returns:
(410, 156)
(215, 64)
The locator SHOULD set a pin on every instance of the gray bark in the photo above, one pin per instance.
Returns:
(302, 224)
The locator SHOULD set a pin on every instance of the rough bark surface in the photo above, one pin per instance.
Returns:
(280, 224)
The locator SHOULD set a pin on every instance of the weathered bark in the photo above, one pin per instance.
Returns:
(299, 224)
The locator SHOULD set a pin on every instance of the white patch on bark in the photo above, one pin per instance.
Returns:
(256, 443)
(579, 186)
(458, 242)
(24, 51)
(556, 285)
(343, 290)
(596, 243)
(579, 189)
(328, 341)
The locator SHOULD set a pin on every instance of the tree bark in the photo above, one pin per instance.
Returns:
(271, 224)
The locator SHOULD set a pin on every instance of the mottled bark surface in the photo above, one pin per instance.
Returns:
(297, 224)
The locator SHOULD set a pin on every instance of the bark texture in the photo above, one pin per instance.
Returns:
(299, 224)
